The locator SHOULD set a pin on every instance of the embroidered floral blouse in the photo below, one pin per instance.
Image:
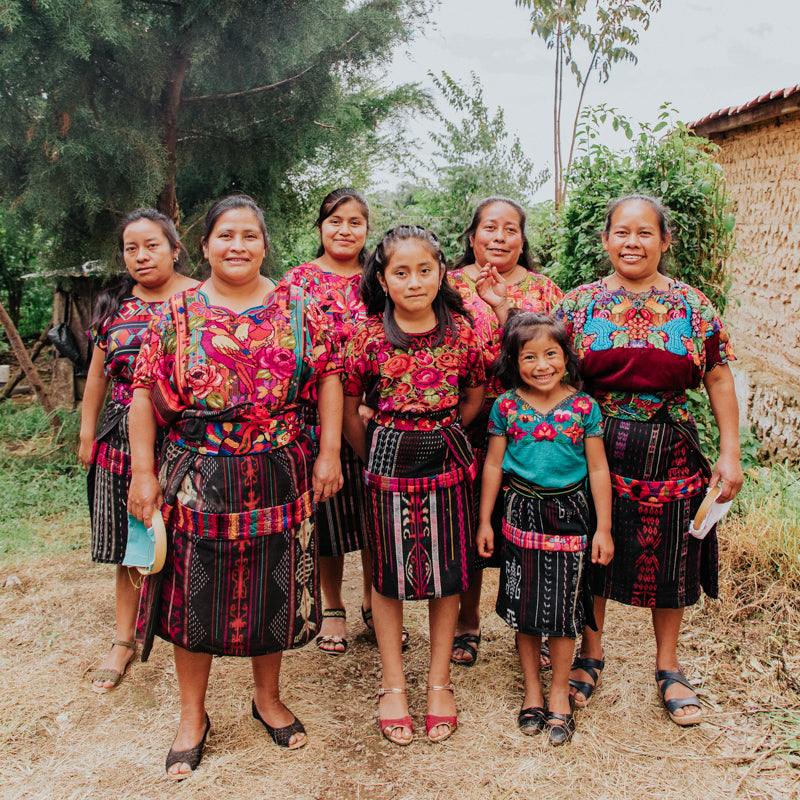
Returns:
(640, 352)
(232, 383)
(417, 388)
(546, 449)
(336, 295)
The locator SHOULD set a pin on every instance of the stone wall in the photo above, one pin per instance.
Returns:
(762, 167)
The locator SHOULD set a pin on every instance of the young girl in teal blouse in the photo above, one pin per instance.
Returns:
(545, 440)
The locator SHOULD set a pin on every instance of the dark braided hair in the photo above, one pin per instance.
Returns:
(110, 300)
(447, 301)
(525, 257)
(525, 326)
(329, 205)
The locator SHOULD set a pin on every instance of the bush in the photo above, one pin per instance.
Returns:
(679, 169)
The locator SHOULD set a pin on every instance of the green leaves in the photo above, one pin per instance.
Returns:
(679, 169)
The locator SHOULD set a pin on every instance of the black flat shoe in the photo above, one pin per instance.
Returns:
(281, 736)
(532, 720)
(192, 756)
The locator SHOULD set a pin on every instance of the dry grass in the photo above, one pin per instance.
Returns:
(59, 740)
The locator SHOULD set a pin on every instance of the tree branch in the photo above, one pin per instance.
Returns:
(258, 89)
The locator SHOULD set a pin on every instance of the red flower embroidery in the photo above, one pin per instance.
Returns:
(544, 430)
(204, 379)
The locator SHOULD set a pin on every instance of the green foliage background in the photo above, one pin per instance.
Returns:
(678, 168)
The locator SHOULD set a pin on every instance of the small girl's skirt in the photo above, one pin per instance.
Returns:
(419, 511)
(543, 587)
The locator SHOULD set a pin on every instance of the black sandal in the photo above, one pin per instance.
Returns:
(669, 678)
(531, 720)
(281, 736)
(594, 669)
(561, 731)
(468, 642)
(192, 756)
(322, 641)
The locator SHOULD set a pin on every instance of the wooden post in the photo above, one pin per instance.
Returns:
(27, 365)
(17, 376)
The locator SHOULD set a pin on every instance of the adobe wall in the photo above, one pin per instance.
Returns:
(762, 167)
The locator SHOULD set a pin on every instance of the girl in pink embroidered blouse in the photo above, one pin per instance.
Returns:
(332, 279)
(418, 356)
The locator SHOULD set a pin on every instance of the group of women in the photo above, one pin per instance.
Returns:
(234, 390)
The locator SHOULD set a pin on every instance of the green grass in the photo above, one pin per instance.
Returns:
(42, 486)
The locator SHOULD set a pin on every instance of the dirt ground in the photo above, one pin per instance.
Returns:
(60, 740)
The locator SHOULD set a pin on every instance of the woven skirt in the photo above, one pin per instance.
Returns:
(241, 576)
(543, 588)
(419, 511)
(658, 479)
(341, 521)
(107, 485)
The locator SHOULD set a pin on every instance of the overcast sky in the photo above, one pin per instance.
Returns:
(701, 55)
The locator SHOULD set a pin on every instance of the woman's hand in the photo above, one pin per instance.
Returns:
(327, 478)
(485, 540)
(728, 474)
(144, 494)
(493, 290)
(85, 450)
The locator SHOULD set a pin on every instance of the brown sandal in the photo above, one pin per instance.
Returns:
(112, 675)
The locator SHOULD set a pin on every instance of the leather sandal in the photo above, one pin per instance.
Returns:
(468, 642)
(281, 736)
(594, 669)
(321, 641)
(192, 756)
(666, 678)
(560, 731)
(389, 726)
(112, 675)
(532, 720)
(433, 720)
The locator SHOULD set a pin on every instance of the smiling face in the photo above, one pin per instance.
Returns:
(635, 244)
(344, 232)
(148, 255)
(412, 277)
(498, 238)
(235, 247)
(542, 364)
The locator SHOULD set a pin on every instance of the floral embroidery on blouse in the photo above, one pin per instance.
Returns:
(244, 375)
(336, 295)
(417, 388)
(640, 352)
(546, 449)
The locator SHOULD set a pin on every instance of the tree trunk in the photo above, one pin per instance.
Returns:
(171, 102)
(27, 365)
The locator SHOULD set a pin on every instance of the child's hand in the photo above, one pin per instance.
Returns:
(485, 540)
(602, 548)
